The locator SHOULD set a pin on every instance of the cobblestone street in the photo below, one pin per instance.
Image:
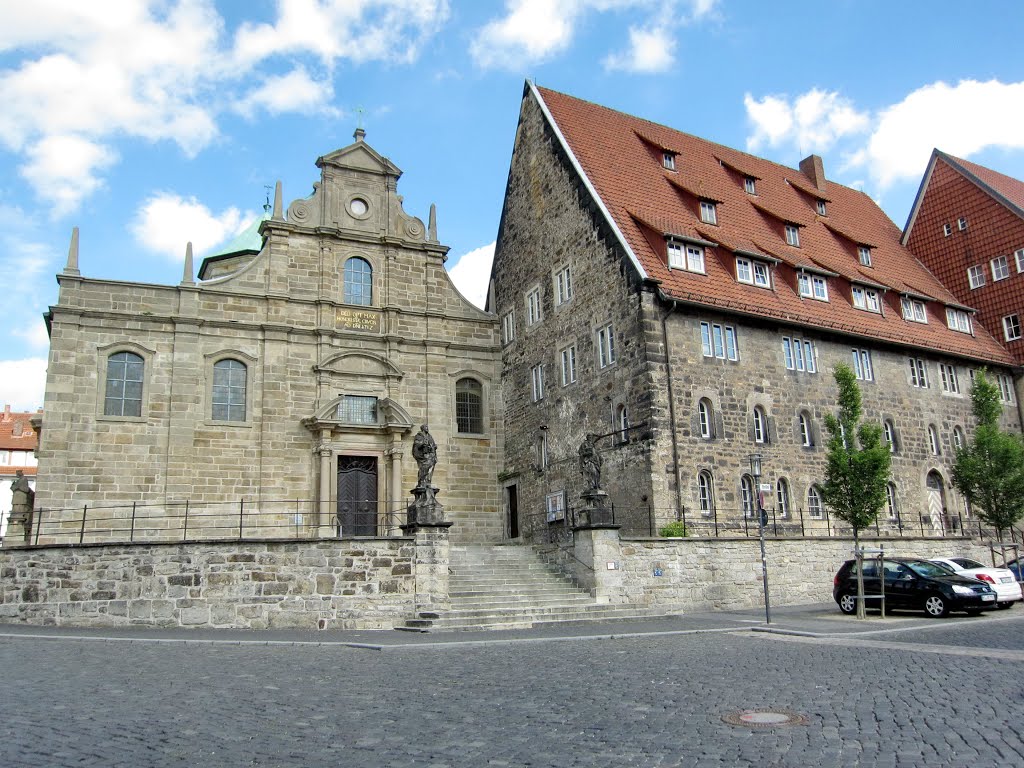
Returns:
(919, 697)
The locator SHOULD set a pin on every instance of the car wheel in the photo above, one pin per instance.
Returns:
(1004, 606)
(848, 603)
(935, 606)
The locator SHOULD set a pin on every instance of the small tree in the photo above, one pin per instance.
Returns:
(989, 472)
(858, 467)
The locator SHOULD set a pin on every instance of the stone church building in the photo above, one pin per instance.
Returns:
(280, 395)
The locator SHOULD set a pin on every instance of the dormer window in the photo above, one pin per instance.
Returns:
(961, 223)
(708, 212)
(913, 310)
(866, 299)
(813, 286)
(753, 272)
(958, 320)
(820, 206)
(749, 185)
(793, 235)
(947, 230)
(686, 256)
(864, 255)
(668, 159)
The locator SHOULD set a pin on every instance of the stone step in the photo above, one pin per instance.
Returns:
(538, 590)
(590, 615)
(493, 602)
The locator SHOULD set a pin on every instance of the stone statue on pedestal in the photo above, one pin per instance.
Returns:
(424, 450)
(590, 463)
(22, 502)
(595, 510)
(425, 509)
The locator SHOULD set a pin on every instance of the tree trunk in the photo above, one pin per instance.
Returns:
(861, 614)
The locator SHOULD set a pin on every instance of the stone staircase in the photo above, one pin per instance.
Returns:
(511, 587)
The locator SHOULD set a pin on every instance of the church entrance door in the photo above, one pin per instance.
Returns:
(357, 496)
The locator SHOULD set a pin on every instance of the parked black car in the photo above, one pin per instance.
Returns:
(912, 584)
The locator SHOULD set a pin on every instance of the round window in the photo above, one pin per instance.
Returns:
(358, 206)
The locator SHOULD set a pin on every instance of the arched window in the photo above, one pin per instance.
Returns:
(933, 440)
(706, 418)
(123, 394)
(542, 451)
(890, 501)
(760, 425)
(806, 431)
(705, 492)
(358, 282)
(229, 381)
(959, 441)
(814, 506)
(469, 406)
(889, 432)
(782, 497)
(622, 424)
(747, 495)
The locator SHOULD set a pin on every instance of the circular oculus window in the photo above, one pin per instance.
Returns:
(358, 206)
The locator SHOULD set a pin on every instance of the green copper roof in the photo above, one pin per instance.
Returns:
(248, 240)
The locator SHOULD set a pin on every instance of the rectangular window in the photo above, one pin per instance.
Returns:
(676, 256)
(792, 236)
(533, 307)
(1018, 256)
(537, 376)
(688, 257)
(918, 372)
(976, 276)
(947, 230)
(743, 272)
(568, 365)
(812, 366)
(787, 352)
(913, 310)
(958, 320)
(1000, 268)
(695, 259)
(563, 286)
(820, 208)
(668, 159)
(866, 299)
(1005, 384)
(555, 503)
(750, 185)
(1011, 327)
(950, 381)
(508, 327)
(813, 286)
(719, 341)
(708, 212)
(761, 278)
(961, 223)
(357, 409)
(864, 254)
(862, 367)
(605, 346)
(799, 354)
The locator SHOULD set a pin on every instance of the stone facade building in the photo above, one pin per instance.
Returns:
(967, 226)
(280, 395)
(689, 302)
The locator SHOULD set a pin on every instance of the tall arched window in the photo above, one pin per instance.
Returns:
(889, 432)
(621, 424)
(705, 492)
(229, 382)
(358, 282)
(747, 495)
(782, 497)
(469, 406)
(806, 432)
(542, 451)
(814, 506)
(890, 501)
(959, 441)
(933, 440)
(760, 425)
(705, 418)
(123, 394)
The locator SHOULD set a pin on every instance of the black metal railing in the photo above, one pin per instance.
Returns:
(190, 520)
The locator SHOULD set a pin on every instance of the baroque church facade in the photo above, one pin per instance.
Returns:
(280, 395)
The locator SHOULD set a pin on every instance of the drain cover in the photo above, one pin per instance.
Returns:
(764, 718)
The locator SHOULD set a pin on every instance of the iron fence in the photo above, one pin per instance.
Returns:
(188, 520)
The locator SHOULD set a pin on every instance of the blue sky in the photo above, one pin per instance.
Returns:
(163, 124)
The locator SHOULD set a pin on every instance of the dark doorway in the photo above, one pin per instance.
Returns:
(513, 511)
(357, 496)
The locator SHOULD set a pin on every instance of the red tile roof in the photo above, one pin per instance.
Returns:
(16, 433)
(647, 201)
(1006, 186)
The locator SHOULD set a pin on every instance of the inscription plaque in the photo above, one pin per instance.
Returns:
(356, 320)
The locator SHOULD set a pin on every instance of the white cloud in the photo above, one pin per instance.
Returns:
(472, 272)
(295, 91)
(22, 383)
(65, 169)
(813, 122)
(650, 50)
(166, 222)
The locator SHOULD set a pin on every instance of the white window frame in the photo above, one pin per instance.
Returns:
(744, 270)
(750, 185)
(1012, 327)
(668, 160)
(533, 307)
(708, 212)
(806, 433)
(1018, 256)
(705, 418)
(889, 434)
(606, 346)
(976, 276)
(761, 426)
(705, 493)
(958, 320)
(821, 208)
(958, 438)
(947, 230)
(1000, 267)
(950, 379)
(961, 223)
(914, 310)
(508, 326)
(782, 496)
(563, 286)
(762, 276)
(568, 357)
(918, 373)
(537, 378)
(686, 256)
(815, 508)
(747, 495)
(542, 451)
(792, 235)
(1005, 384)
(890, 501)
(719, 341)
(866, 299)
(695, 259)
(864, 255)
(676, 255)
(862, 366)
(933, 441)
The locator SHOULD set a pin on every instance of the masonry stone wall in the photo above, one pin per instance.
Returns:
(363, 584)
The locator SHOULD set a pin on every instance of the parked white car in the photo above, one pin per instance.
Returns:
(1002, 580)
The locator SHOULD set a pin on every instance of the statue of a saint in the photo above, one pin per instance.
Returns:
(590, 463)
(424, 450)
(21, 491)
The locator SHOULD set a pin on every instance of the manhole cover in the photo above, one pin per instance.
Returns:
(764, 718)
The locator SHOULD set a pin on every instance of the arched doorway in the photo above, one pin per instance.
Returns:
(936, 502)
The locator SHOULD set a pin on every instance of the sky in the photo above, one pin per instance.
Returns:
(152, 123)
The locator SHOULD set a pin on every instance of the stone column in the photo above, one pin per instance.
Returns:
(326, 517)
(598, 561)
(430, 568)
(394, 507)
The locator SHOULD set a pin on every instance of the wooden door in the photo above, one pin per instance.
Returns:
(357, 496)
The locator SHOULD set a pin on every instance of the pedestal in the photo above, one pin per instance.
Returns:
(19, 528)
(425, 509)
(595, 511)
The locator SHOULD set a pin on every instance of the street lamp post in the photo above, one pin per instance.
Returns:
(755, 471)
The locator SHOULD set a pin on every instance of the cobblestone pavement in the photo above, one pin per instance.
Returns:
(654, 700)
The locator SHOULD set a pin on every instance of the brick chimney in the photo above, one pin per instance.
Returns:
(812, 167)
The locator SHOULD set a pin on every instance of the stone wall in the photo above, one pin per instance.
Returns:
(348, 584)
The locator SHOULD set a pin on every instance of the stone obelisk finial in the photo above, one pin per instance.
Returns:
(432, 224)
(187, 277)
(278, 205)
(71, 268)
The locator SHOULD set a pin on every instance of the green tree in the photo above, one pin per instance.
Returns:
(989, 471)
(858, 465)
